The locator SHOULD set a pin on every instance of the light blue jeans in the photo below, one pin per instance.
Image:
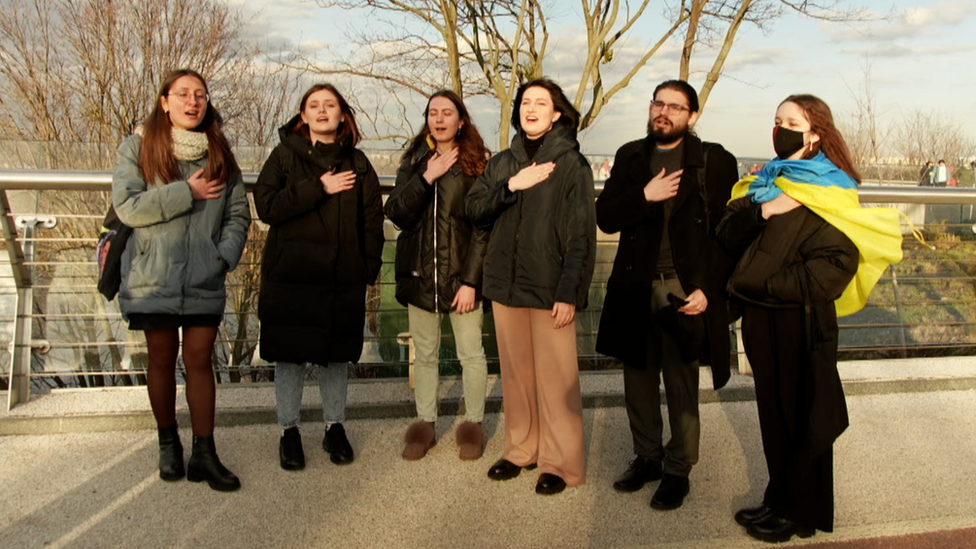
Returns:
(290, 382)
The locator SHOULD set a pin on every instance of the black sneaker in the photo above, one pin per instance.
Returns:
(641, 471)
(337, 445)
(290, 451)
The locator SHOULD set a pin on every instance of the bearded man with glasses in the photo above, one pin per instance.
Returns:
(665, 310)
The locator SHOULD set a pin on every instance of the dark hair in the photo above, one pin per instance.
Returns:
(822, 123)
(569, 116)
(682, 87)
(347, 127)
(473, 155)
(156, 159)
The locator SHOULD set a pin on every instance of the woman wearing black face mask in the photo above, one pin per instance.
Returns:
(809, 254)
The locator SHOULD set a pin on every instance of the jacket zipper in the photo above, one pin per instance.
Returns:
(518, 233)
(435, 244)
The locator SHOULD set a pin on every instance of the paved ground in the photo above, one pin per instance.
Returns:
(905, 478)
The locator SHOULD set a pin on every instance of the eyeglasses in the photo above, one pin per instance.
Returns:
(673, 107)
(186, 96)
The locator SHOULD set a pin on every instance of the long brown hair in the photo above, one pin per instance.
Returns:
(156, 159)
(347, 127)
(822, 123)
(473, 155)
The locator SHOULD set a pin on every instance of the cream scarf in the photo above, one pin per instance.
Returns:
(189, 146)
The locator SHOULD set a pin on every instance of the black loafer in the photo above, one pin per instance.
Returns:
(773, 529)
(747, 516)
(337, 445)
(549, 484)
(506, 470)
(671, 493)
(291, 455)
(641, 471)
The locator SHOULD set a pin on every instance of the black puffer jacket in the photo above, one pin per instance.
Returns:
(321, 252)
(435, 236)
(543, 240)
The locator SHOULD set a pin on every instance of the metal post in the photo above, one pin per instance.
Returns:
(19, 257)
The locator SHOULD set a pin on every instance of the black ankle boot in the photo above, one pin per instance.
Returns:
(205, 465)
(170, 454)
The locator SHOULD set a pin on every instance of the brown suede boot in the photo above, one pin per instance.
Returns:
(419, 439)
(470, 440)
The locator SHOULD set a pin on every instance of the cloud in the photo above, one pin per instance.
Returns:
(914, 22)
(895, 51)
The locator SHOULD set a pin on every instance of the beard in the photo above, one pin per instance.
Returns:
(668, 132)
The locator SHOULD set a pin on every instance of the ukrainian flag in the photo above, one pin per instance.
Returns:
(832, 194)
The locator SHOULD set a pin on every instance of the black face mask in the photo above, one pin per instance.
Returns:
(786, 141)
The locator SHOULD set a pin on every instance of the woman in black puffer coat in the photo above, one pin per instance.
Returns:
(321, 197)
(538, 200)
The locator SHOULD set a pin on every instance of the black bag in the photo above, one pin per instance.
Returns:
(108, 253)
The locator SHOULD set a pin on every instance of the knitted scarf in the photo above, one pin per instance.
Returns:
(189, 146)
(832, 194)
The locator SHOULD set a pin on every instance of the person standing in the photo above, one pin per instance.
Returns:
(537, 200)
(321, 197)
(177, 185)
(439, 258)
(941, 174)
(809, 253)
(665, 309)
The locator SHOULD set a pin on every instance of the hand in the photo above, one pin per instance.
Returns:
(335, 183)
(530, 176)
(662, 187)
(696, 304)
(201, 189)
(439, 164)
(562, 314)
(780, 205)
(463, 300)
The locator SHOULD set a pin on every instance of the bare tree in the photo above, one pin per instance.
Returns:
(492, 46)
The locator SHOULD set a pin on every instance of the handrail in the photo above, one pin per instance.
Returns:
(80, 180)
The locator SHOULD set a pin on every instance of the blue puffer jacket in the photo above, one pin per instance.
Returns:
(180, 248)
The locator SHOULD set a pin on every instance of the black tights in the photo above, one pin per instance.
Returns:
(163, 347)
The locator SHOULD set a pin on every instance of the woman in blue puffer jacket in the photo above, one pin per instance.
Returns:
(180, 189)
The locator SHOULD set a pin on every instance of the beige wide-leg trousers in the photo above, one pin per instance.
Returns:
(540, 392)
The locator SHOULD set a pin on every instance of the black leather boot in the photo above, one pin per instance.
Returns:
(205, 465)
(170, 454)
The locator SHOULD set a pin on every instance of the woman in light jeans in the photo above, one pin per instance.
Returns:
(321, 197)
(439, 259)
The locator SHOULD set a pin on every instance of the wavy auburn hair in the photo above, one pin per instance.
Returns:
(157, 162)
(347, 127)
(822, 123)
(473, 155)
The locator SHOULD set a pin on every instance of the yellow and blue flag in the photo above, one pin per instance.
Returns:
(831, 193)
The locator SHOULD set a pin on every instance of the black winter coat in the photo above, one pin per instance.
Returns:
(699, 260)
(792, 260)
(542, 247)
(434, 236)
(321, 252)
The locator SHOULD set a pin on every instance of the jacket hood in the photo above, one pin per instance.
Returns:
(326, 155)
(556, 141)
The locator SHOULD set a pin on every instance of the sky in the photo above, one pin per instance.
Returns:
(920, 55)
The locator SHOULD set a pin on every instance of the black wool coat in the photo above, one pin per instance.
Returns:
(435, 235)
(321, 251)
(700, 262)
(792, 269)
(542, 247)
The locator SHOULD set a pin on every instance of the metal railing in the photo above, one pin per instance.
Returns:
(57, 331)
